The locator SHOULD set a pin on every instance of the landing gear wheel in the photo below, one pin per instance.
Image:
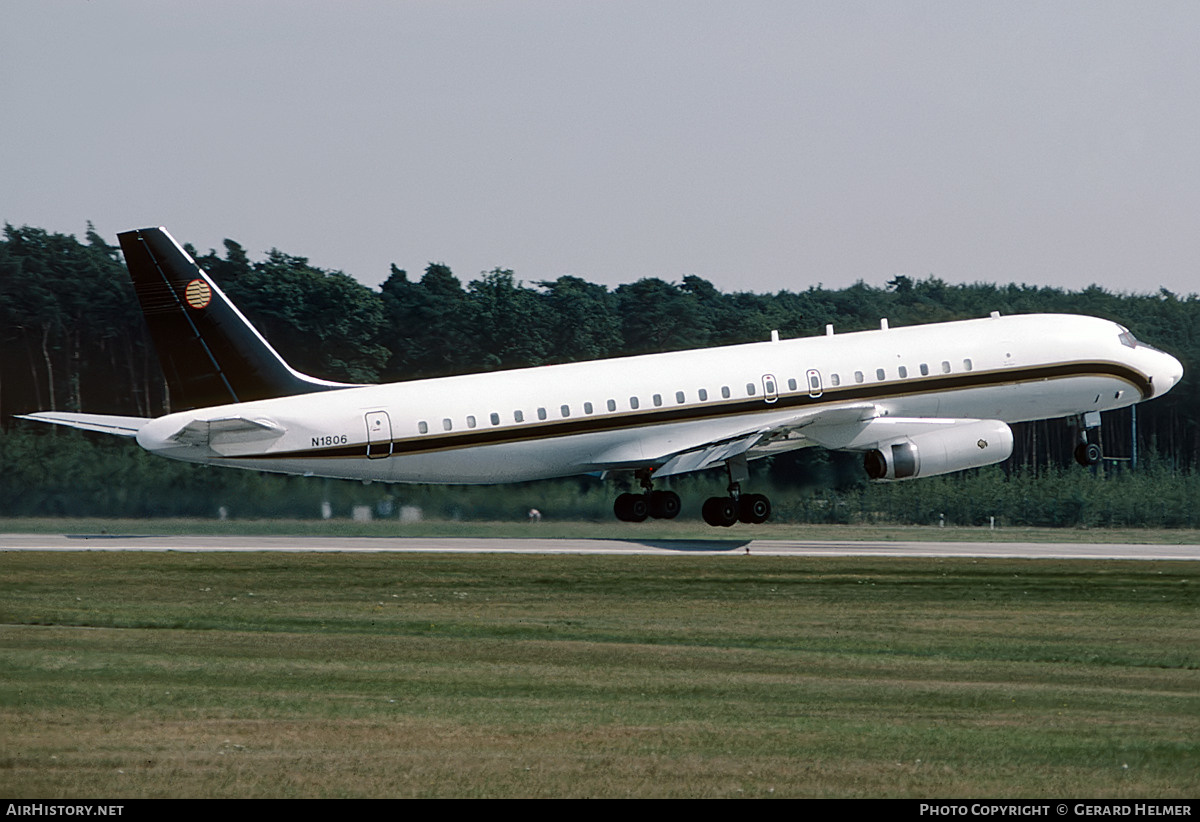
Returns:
(631, 508)
(720, 511)
(663, 504)
(754, 508)
(1088, 453)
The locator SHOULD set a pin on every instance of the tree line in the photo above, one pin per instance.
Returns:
(72, 337)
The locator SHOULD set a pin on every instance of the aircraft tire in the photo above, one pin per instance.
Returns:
(664, 504)
(1088, 453)
(631, 508)
(720, 511)
(754, 508)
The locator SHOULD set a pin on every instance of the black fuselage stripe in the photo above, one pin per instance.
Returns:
(429, 443)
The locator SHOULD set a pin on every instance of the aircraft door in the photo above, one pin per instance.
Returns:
(815, 389)
(379, 435)
(770, 388)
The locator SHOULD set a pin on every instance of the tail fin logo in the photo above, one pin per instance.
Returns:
(198, 294)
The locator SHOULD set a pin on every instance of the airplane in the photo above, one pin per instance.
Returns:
(916, 401)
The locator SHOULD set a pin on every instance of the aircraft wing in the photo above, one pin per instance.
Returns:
(754, 443)
(707, 456)
(866, 434)
(960, 443)
(104, 423)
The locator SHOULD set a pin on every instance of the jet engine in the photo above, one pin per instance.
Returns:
(958, 446)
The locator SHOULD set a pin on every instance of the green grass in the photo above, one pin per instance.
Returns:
(217, 675)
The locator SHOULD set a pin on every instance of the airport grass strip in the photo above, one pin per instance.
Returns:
(248, 675)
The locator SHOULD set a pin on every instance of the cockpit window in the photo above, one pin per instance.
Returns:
(1126, 337)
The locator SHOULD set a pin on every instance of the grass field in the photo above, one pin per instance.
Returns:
(422, 675)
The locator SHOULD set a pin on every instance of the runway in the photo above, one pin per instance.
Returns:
(661, 547)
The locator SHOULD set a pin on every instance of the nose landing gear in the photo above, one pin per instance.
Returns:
(1088, 453)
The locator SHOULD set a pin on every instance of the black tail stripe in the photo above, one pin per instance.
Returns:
(175, 305)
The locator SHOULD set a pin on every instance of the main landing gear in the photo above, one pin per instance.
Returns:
(737, 507)
(638, 507)
(725, 511)
(656, 504)
(718, 511)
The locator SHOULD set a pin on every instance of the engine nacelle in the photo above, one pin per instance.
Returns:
(958, 446)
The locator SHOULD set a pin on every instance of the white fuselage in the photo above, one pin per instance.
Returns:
(638, 412)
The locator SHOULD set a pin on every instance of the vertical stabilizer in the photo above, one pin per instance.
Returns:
(210, 353)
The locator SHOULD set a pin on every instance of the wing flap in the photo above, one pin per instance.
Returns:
(708, 456)
(781, 435)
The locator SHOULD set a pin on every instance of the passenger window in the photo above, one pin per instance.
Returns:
(858, 376)
(633, 403)
(679, 397)
(519, 416)
(725, 391)
(657, 400)
(587, 408)
(541, 413)
(565, 410)
(834, 379)
(967, 364)
(769, 387)
(880, 374)
(612, 405)
(903, 372)
(924, 369)
(703, 394)
(470, 422)
(447, 425)
(792, 384)
(945, 366)
(423, 427)
(495, 419)
(749, 389)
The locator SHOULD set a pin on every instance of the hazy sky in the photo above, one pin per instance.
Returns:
(760, 145)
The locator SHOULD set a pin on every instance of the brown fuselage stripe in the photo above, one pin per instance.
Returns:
(522, 432)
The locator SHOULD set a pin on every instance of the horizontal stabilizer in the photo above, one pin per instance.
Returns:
(103, 423)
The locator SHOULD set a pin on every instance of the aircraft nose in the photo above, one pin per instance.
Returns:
(1167, 375)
